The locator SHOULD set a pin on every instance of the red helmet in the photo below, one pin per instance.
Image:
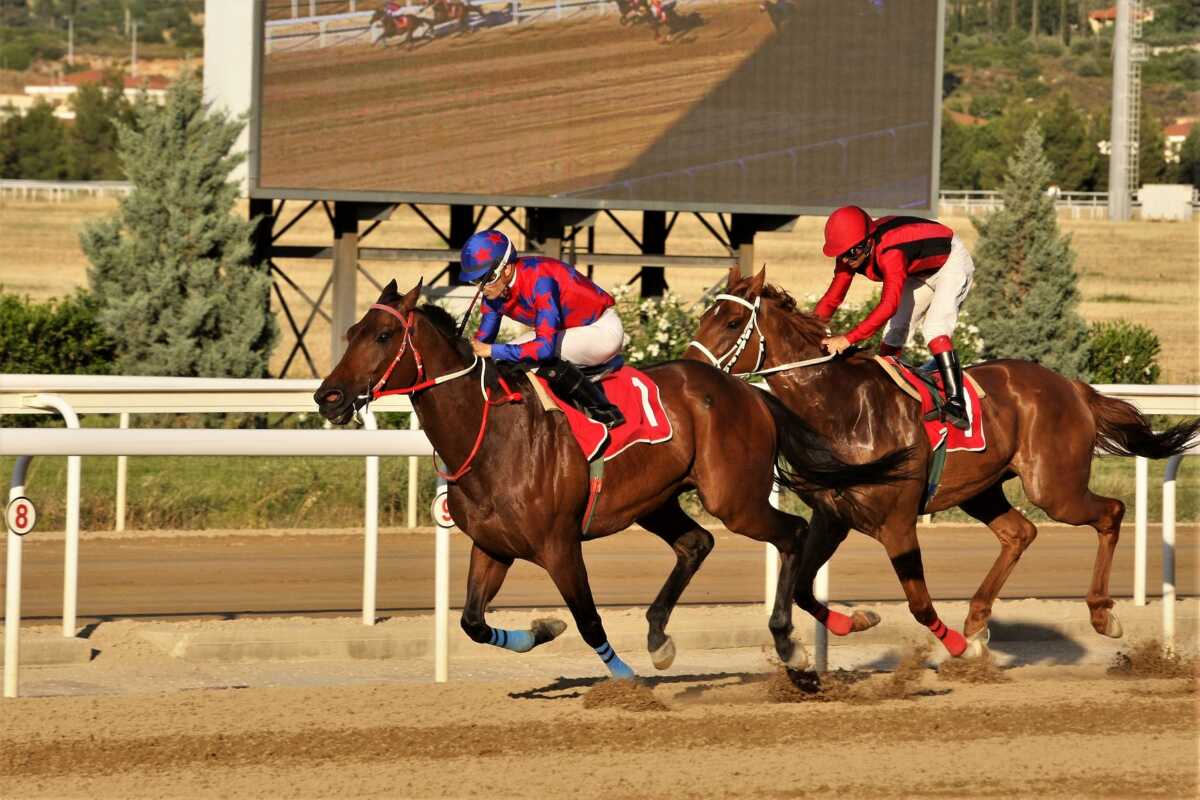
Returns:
(845, 228)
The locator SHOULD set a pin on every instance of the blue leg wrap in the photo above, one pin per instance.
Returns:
(616, 666)
(517, 641)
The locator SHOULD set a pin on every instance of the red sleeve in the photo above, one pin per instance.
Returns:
(891, 264)
(836, 293)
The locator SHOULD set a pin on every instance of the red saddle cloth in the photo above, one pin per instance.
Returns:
(971, 439)
(637, 397)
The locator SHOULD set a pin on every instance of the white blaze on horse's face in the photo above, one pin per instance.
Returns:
(730, 357)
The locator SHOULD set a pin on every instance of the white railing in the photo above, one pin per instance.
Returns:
(58, 191)
(1077, 205)
(72, 395)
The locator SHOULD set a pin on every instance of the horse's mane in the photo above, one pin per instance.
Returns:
(804, 324)
(447, 326)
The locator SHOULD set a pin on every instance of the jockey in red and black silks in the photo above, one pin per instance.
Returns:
(574, 321)
(926, 273)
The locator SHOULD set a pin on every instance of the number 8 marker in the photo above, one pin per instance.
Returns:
(21, 515)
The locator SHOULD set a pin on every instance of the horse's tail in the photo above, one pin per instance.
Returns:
(806, 463)
(1124, 431)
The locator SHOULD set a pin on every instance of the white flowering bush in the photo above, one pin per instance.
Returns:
(1122, 352)
(656, 329)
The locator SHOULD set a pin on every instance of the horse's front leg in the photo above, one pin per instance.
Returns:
(562, 557)
(484, 578)
(825, 535)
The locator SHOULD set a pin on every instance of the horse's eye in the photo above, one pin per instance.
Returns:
(732, 324)
(383, 336)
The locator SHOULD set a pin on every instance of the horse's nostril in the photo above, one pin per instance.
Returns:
(333, 397)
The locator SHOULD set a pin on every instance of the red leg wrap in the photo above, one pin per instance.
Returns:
(953, 641)
(835, 623)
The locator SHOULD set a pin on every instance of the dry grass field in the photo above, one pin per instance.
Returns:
(1147, 272)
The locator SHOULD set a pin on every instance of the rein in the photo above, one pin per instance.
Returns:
(735, 352)
(377, 391)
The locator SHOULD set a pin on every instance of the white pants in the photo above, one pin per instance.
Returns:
(589, 345)
(932, 299)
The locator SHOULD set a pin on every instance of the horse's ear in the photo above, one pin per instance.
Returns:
(758, 281)
(389, 294)
(735, 275)
(414, 294)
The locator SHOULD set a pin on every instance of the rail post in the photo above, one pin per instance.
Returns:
(441, 584)
(371, 524)
(771, 578)
(12, 589)
(1140, 514)
(414, 474)
(122, 480)
(71, 549)
(1168, 551)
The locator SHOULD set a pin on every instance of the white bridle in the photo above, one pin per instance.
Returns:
(735, 352)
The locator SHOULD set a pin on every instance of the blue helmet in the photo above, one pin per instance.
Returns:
(485, 254)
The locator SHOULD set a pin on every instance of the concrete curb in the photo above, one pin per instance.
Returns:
(43, 649)
(1058, 625)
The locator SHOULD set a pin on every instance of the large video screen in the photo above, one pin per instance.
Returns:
(693, 104)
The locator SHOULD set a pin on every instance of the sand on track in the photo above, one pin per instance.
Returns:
(1047, 731)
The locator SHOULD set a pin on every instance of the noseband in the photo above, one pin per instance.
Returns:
(735, 352)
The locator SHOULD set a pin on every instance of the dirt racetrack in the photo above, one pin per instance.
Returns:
(1044, 732)
(720, 723)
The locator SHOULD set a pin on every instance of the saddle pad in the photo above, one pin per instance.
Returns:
(637, 397)
(972, 439)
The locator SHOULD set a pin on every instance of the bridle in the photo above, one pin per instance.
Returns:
(735, 352)
(407, 322)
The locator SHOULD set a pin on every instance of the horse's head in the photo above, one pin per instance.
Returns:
(750, 320)
(381, 350)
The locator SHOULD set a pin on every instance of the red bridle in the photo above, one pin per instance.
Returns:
(377, 391)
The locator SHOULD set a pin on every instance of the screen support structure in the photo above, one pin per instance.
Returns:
(553, 232)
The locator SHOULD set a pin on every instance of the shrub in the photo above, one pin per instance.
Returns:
(655, 329)
(1122, 352)
(1089, 68)
(58, 337)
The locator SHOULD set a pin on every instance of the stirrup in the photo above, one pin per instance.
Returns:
(951, 415)
(610, 416)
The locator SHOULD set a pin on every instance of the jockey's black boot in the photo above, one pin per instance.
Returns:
(569, 383)
(955, 410)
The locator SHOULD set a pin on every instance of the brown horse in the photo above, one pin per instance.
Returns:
(1040, 427)
(521, 484)
(394, 23)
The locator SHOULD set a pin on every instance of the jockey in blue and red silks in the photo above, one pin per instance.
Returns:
(574, 321)
(926, 273)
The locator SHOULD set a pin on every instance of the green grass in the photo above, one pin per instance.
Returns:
(188, 493)
(1119, 298)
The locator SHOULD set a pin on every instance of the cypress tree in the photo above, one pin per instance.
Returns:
(1026, 296)
(172, 268)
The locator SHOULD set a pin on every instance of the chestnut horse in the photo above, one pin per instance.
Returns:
(1040, 427)
(521, 483)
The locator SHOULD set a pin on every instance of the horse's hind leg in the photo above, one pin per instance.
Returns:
(1015, 533)
(563, 559)
(691, 544)
(484, 578)
(1070, 501)
(899, 538)
(825, 535)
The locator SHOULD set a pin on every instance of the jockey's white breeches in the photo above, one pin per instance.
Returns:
(932, 299)
(588, 345)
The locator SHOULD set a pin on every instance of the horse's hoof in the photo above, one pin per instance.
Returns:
(977, 644)
(863, 620)
(546, 629)
(664, 656)
(1113, 628)
(798, 660)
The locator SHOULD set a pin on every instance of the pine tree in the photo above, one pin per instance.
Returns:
(171, 269)
(1026, 296)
